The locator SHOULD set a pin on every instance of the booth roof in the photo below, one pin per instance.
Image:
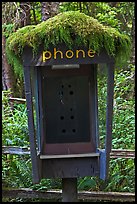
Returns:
(71, 28)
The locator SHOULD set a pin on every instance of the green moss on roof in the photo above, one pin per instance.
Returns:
(71, 28)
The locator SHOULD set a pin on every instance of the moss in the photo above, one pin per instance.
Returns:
(71, 28)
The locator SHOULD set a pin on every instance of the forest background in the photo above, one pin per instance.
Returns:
(16, 170)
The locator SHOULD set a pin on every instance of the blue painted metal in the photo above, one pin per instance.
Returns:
(105, 153)
(102, 164)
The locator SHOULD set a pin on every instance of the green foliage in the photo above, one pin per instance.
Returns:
(125, 13)
(124, 111)
(119, 15)
(121, 175)
(35, 12)
(8, 29)
(88, 183)
(14, 122)
(11, 55)
(107, 14)
(16, 170)
(71, 28)
(48, 184)
(124, 108)
(102, 11)
(122, 171)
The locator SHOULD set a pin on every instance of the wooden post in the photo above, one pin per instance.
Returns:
(69, 189)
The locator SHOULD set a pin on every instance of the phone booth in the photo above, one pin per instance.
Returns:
(62, 93)
(63, 84)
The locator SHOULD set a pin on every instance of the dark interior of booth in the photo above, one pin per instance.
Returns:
(67, 109)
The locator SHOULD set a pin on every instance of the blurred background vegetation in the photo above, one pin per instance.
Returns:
(16, 170)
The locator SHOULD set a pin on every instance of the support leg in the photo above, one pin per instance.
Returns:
(69, 189)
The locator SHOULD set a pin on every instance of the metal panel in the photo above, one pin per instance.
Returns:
(67, 96)
(109, 113)
(70, 167)
(35, 86)
(105, 154)
(40, 109)
(102, 164)
(69, 148)
(93, 106)
(67, 109)
(28, 93)
(96, 108)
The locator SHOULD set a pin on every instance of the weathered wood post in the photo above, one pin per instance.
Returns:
(69, 189)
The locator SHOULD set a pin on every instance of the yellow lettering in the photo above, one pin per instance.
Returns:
(91, 53)
(46, 55)
(71, 52)
(77, 51)
(55, 53)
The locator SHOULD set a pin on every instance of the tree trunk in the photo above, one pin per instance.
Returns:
(49, 9)
(20, 15)
(133, 41)
(25, 14)
(8, 80)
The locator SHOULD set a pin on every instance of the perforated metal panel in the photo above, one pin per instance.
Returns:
(67, 109)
